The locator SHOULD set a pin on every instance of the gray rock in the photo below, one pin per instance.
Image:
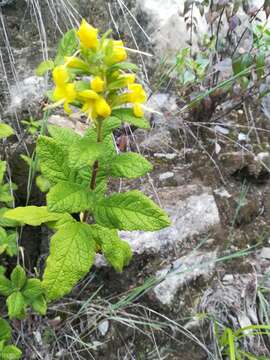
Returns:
(265, 253)
(182, 272)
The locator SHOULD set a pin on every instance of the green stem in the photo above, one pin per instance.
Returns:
(95, 166)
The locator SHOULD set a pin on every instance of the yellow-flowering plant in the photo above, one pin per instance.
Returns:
(91, 77)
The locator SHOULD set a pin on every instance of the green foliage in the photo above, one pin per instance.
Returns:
(229, 341)
(7, 352)
(74, 171)
(21, 293)
(5, 131)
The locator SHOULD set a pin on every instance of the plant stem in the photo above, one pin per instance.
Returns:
(95, 166)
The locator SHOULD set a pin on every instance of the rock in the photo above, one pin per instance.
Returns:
(26, 93)
(193, 211)
(156, 140)
(103, 327)
(265, 253)
(182, 272)
(167, 179)
(68, 122)
(166, 26)
(169, 156)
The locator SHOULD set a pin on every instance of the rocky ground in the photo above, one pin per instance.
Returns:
(212, 176)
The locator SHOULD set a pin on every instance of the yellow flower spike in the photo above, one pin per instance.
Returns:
(97, 84)
(88, 35)
(138, 110)
(60, 75)
(88, 108)
(136, 93)
(75, 63)
(88, 94)
(102, 107)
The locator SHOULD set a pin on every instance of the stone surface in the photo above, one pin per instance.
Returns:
(182, 272)
(265, 253)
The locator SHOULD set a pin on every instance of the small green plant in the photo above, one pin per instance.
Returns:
(7, 351)
(230, 345)
(91, 76)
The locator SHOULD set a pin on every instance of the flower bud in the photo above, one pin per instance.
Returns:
(97, 84)
(103, 108)
(88, 35)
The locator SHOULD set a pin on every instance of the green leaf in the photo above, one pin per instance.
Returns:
(130, 211)
(16, 305)
(5, 131)
(43, 183)
(63, 220)
(69, 197)
(5, 330)
(40, 305)
(84, 153)
(10, 352)
(72, 254)
(18, 277)
(116, 251)
(67, 46)
(126, 115)
(123, 66)
(109, 125)
(5, 285)
(2, 170)
(129, 165)
(63, 136)
(33, 289)
(7, 222)
(53, 159)
(44, 67)
(11, 242)
(5, 193)
(32, 215)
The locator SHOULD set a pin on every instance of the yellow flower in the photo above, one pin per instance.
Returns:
(60, 75)
(64, 91)
(119, 53)
(89, 108)
(138, 110)
(102, 107)
(88, 35)
(97, 84)
(88, 94)
(136, 93)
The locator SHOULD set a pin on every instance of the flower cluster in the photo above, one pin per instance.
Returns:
(93, 78)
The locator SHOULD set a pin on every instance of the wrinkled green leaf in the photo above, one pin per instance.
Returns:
(126, 115)
(18, 277)
(16, 305)
(5, 330)
(72, 253)
(129, 165)
(131, 210)
(5, 131)
(44, 67)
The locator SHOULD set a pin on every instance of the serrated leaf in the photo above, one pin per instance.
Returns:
(131, 210)
(5, 193)
(10, 352)
(5, 285)
(11, 242)
(63, 220)
(18, 277)
(5, 131)
(69, 197)
(33, 289)
(129, 165)
(72, 253)
(32, 215)
(67, 46)
(63, 136)
(126, 115)
(116, 251)
(5, 330)
(84, 153)
(53, 159)
(16, 305)
(44, 67)
(40, 305)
